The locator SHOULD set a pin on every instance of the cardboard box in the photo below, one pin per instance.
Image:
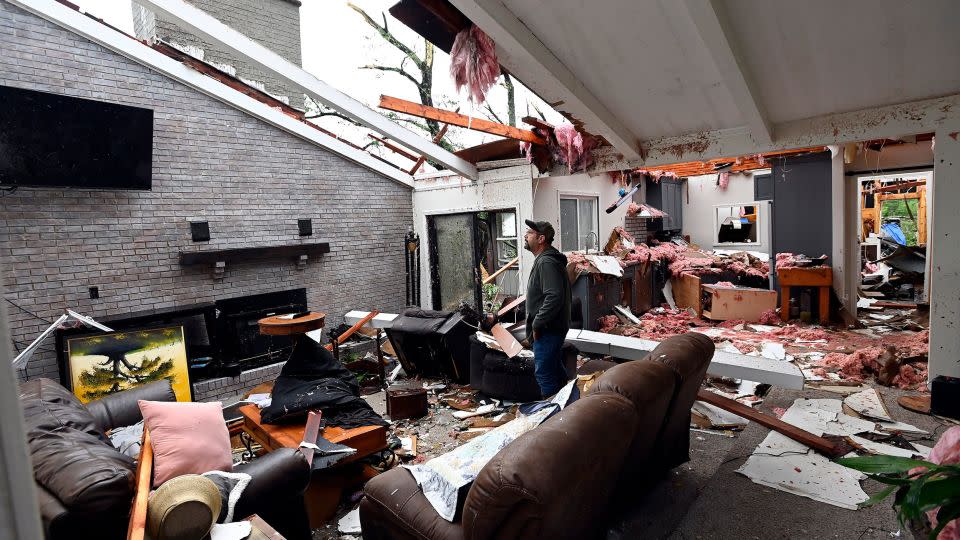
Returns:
(726, 303)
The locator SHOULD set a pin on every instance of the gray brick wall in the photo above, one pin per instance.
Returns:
(251, 181)
(274, 24)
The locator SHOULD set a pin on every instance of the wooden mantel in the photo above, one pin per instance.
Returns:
(299, 253)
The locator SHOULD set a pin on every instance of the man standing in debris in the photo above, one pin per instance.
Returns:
(548, 306)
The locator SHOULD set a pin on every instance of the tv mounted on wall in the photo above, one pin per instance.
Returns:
(49, 140)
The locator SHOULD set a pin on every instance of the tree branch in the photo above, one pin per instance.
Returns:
(393, 69)
(492, 115)
(385, 34)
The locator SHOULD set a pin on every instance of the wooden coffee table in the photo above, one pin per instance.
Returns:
(366, 439)
(326, 485)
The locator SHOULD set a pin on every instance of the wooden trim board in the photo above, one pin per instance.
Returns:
(136, 530)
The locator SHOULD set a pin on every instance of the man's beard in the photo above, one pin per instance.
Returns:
(526, 245)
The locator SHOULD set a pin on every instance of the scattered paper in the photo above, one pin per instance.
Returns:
(895, 427)
(606, 264)
(668, 295)
(923, 451)
(718, 417)
(883, 449)
(787, 465)
(481, 410)
(237, 530)
(869, 404)
(350, 523)
(773, 351)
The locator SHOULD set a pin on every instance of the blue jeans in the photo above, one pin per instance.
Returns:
(548, 363)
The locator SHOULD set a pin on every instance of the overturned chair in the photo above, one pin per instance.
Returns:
(633, 421)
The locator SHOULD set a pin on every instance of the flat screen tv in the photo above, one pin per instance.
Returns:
(49, 140)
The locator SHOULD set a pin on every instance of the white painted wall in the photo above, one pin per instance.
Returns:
(944, 255)
(447, 193)
(548, 190)
(701, 194)
(892, 157)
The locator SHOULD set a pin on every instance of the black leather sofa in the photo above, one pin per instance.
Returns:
(85, 487)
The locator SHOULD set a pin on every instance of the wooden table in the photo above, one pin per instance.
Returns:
(326, 486)
(820, 277)
(367, 439)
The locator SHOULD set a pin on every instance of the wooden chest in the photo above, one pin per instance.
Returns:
(406, 402)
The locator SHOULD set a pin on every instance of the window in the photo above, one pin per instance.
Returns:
(578, 223)
(737, 224)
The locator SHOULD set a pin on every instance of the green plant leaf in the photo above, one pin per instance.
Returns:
(878, 497)
(883, 464)
(945, 515)
(911, 502)
(938, 492)
(890, 480)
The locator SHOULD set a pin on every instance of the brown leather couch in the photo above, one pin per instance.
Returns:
(85, 487)
(557, 480)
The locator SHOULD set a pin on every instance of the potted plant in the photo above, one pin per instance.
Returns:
(918, 487)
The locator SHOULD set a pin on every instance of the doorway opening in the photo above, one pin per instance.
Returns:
(465, 250)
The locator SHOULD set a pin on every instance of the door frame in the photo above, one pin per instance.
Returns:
(434, 255)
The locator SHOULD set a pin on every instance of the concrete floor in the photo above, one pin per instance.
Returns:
(705, 498)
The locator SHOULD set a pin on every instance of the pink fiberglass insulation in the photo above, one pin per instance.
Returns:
(724, 180)
(656, 174)
(646, 209)
(871, 268)
(911, 376)
(724, 285)
(770, 317)
(912, 345)
(608, 323)
(786, 260)
(732, 323)
(575, 149)
(857, 365)
(792, 332)
(580, 260)
(473, 63)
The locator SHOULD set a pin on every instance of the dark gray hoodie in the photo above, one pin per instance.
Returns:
(548, 294)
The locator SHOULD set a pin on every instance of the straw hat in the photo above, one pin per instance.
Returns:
(183, 508)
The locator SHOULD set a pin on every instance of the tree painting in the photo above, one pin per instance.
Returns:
(110, 363)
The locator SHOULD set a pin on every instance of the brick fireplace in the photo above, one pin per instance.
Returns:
(250, 181)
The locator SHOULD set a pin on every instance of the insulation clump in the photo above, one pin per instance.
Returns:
(473, 63)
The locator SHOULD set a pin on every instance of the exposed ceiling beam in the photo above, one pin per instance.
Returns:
(207, 27)
(525, 56)
(449, 117)
(708, 18)
(120, 43)
(892, 121)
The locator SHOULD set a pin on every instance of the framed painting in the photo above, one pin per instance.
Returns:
(105, 364)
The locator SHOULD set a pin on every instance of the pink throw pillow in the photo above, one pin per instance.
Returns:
(188, 438)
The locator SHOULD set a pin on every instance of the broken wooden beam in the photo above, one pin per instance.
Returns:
(820, 444)
(536, 122)
(380, 320)
(393, 147)
(503, 269)
(436, 139)
(353, 329)
(507, 308)
(898, 187)
(457, 119)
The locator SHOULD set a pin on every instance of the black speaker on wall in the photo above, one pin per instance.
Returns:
(305, 226)
(200, 231)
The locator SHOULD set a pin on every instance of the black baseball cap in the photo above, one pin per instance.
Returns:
(542, 227)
